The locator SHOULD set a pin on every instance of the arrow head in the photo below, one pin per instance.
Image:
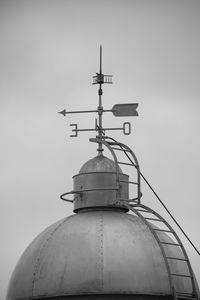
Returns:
(125, 110)
(63, 112)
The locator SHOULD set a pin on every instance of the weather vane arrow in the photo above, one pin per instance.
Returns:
(118, 110)
(63, 112)
(125, 110)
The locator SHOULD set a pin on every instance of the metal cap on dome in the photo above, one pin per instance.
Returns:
(99, 163)
(96, 185)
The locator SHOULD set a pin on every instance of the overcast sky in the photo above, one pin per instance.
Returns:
(48, 54)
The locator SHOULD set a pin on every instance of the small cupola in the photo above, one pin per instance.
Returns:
(99, 184)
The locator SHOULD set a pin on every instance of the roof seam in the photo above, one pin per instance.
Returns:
(102, 257)
(38, 260)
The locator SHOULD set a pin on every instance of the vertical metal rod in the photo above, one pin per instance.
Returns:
(100, 70)
(100, 107)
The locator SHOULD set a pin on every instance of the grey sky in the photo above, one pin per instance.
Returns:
(49, 51)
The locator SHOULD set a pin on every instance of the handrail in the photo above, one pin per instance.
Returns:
(80, 192)
(126, 149)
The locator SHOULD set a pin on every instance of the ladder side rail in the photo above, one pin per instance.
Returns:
(181, 245)
(172, 288)
(126, 149)
(137, 168)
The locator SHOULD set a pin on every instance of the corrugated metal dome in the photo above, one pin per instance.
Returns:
(94, 252)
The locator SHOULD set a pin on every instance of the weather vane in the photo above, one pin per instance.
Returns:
(118, 110)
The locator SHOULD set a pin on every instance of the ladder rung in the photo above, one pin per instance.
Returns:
(153, 219)
(143, 210)
(113, 143)
(120, 149)
(182, 293)
(176, 258)
(130, 200)
(181, 275)
(126, 200)
(173, 244)
(164, 230)
(132, 182)
(186, 297)
(131, 204)
(123, 163)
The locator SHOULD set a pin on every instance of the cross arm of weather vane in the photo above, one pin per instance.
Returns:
(118, 110)
(64, 112)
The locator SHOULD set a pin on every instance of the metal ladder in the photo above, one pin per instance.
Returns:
(147, 215)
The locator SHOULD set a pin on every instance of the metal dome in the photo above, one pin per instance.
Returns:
(95, 252)
(99, 163)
